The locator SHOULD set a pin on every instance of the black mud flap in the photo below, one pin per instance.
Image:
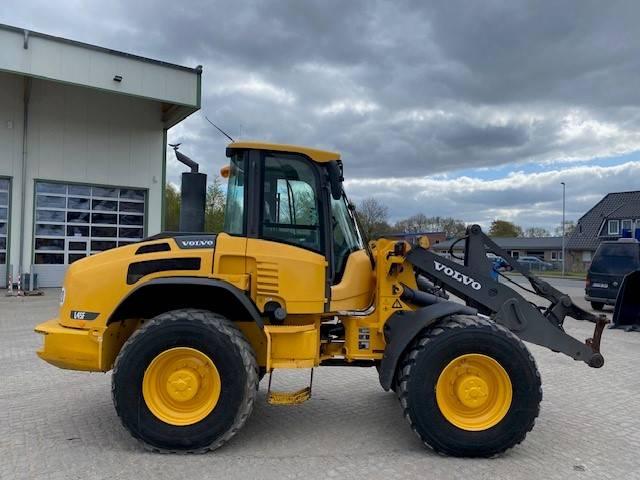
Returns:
(627, 310)
(402, 327)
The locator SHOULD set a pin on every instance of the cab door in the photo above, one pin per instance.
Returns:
(286, 248)
(353, 276)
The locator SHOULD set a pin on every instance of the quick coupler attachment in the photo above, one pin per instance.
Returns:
(597, 360)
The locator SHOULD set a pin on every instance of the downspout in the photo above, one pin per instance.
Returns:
(25, 126)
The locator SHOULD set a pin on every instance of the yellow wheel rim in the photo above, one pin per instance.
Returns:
(181, 386)
(474, 392)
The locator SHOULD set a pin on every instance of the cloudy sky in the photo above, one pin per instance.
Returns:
(476, 110)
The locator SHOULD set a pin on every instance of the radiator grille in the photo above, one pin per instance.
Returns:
(268, 280)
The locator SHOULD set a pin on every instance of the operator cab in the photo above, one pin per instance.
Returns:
(293, 196)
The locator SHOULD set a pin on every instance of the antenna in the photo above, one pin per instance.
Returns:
(219, 129)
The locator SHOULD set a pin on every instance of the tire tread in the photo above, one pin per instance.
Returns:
(428, 335)
(209, 320)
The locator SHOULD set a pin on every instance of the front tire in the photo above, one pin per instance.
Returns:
(185, 382)
(469, 387)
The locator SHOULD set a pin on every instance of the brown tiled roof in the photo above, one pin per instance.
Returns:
(619, 205)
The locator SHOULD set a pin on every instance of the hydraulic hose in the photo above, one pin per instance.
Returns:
(424, 299)
(417, 297)
(425, 285)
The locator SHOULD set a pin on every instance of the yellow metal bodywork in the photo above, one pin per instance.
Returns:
(356, 288)
(99, 283)
(93, 350)
(390, 273)
(181, 386)
(265, 271)
(314, 154)
(292, 346)
(70, 348)
(289, 398)
(229, 260)
(292, 276)
(474, 392)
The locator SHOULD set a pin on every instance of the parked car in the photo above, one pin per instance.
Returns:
(535, 264)
(611, 262)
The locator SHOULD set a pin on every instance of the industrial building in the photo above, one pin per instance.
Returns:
(83, 133)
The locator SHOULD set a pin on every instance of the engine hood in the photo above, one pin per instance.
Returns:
(94, 285)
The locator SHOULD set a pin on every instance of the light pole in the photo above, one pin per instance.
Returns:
(564, 188)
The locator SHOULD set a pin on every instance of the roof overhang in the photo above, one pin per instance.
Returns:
(37, 55)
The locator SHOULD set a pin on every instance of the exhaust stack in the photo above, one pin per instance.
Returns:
(193, 193)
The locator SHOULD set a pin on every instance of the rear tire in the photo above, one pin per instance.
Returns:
(597, 306)
(455, 339)
(212, 340)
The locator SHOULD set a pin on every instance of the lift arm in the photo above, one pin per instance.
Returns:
(540, 325)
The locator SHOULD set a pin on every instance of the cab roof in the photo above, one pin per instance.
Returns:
(313, 153)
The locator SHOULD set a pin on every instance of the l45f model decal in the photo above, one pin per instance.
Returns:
(81, 315)
(456, 275)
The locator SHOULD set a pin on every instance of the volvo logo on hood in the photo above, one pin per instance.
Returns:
(456, 275)
(192, 242)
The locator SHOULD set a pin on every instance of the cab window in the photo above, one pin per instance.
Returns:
(346, 238)
(290, 202)
(234, 211)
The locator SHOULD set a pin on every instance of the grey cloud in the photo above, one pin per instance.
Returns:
(465, 135)
(528, 199)
(406, 88)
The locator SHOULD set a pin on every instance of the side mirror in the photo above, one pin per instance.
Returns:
(334, 169)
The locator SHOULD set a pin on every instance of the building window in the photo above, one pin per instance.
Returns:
(556, 255)
(586, 256)
(73, 221)
(614, 227)
(627, 225)
(4, 220)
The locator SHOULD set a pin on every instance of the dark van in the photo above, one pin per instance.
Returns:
(612, 261)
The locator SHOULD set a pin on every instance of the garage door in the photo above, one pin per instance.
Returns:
(4, 229)
(73, 221)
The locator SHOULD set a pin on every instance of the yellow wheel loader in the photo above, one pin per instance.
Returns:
(190, 322)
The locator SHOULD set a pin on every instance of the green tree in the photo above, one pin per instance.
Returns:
(213, 209)
(504, 228)
(214, 206)
(171, 208)
(569, 228)
(536, 232)
(372, 218)
(450, 226)
(421, 223)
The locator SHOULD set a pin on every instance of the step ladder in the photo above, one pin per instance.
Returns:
(289, 398)
(290, 347)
